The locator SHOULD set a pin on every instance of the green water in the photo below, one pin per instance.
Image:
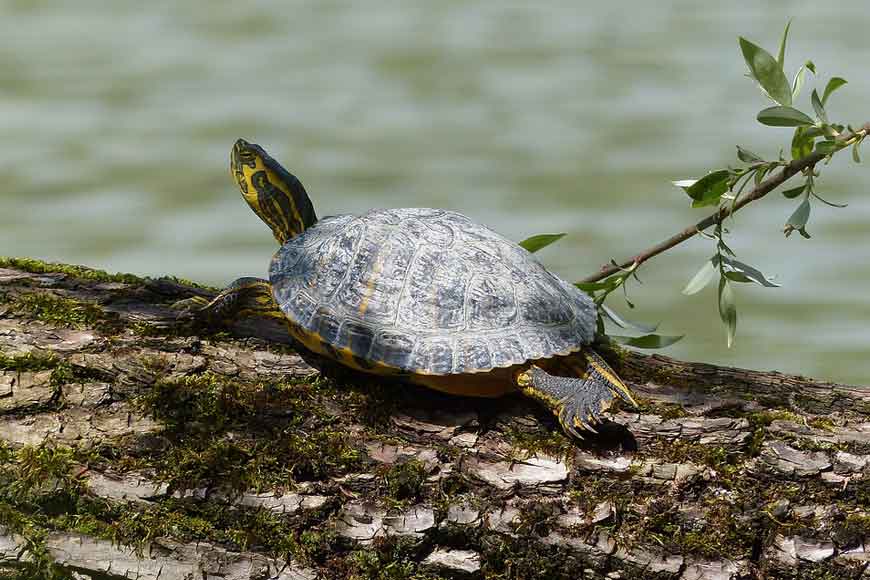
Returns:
(555, 116)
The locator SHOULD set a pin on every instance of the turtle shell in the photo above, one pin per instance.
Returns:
(427, 291)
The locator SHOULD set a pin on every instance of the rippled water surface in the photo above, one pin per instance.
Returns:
(117, 118)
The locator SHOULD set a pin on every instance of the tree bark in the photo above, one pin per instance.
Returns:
(137, 447)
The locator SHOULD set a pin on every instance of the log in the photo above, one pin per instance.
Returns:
(133, 445)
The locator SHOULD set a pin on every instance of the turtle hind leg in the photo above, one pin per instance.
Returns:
(243, 297)
(576, 401)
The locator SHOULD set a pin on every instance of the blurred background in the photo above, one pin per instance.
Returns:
(117, 119)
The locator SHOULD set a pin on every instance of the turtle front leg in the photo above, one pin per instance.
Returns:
(243, 297)
(576, 401)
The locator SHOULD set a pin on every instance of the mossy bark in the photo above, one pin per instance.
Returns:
(134, 446)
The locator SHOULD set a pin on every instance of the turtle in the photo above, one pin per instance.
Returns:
(425, 296)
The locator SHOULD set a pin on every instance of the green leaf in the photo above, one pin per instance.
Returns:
(798, 219)
(833, 84)
(856, 155)
(728, 308)
(748, 156)
(829, 131)
(606, 284)
(827, 147)
(751, 273)
(703, 277)
(708, 189)
(793, 193)
(798, 83)
(708, 201)
(737, 277)
(781, 58)
(802, 142)
(651, 341)
(624, 323)
(767, 71)
(599, 325)
(810, 66)
(818, 106)
(783, 117)
(760, 173)
(535, 243)
(826, 202)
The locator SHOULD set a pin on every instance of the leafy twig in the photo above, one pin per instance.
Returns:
(793, 168)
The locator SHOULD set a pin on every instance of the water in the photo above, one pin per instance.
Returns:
(118, 117)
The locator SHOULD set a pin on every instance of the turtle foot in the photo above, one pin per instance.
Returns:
(576, 402)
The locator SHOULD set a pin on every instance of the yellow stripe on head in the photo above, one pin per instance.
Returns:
(274, 194)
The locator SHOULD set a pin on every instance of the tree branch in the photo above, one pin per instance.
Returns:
(163, 451)
(794, 167)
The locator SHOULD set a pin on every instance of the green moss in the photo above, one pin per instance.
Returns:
(61, 372)
(765, 418)
(317, 546)
(526, 558)
(191, 283)
(536, 518)
(84, 273)
(44, 474)
(852, 531)
(822, 423)
(404, 481)
(245, 436)
(40, 267)
(725, 460)
(58, 310)
(373, 403)
(387, 559)
(40, 491)
(29, 361)
(34, 560)
(553, 443)
(669, 411)
(35, 483)
(756, 442)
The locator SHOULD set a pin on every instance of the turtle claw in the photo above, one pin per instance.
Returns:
(568, 423)
(577, 403)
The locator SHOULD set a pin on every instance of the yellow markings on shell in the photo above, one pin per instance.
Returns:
(370, 285)
(315, 343)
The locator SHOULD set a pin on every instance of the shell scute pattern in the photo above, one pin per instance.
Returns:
(326, 325)
(472, 353)
(393, 349)
(434, 293)
(356, 336)
(506, 349)
(427, 291)
(435, 355)
(491, 303)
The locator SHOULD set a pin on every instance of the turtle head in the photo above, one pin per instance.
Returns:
(274, 194)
